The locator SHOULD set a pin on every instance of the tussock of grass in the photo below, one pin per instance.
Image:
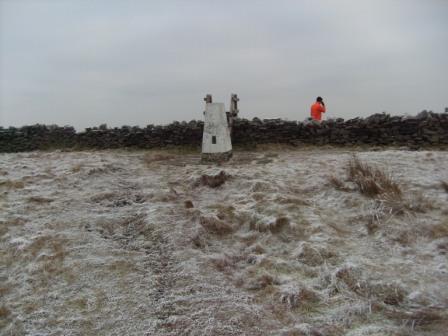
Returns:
(277, 226)
(215, 225)
(389, 205)
(372, 181)
(260, 282)
(351, 277)
(387, 195)
(308, 255)
(214, 181)
(390, 294)
(304, 296)
(76, 168)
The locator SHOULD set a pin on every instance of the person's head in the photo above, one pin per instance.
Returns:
(319, 99)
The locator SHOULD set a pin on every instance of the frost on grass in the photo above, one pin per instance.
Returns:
(101, 243)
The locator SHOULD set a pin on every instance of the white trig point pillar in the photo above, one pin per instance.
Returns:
(216, 142)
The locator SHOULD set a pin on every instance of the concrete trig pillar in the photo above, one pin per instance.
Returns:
(216, 141)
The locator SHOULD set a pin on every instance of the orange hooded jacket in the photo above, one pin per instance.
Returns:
(316, 111)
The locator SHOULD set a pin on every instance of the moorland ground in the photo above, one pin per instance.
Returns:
(283, 242)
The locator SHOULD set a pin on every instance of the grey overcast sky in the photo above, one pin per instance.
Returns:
(87, 62)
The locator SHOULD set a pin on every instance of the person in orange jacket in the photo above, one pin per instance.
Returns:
(317, 109)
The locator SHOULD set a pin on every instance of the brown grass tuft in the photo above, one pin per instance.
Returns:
(390, 294)
(77, 168)
(214, 181)
(40, 200)
(12, 184)
(302, 297)
(261, 282)
(279, 224)
(215, 225)
(372, 181)
(4, 312)
(352, 279)
(310, 256)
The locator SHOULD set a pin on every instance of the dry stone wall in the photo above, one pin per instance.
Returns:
(425, 129)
